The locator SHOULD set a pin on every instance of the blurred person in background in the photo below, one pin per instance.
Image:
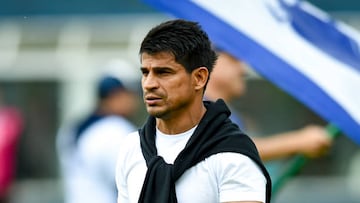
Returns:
(10, 131)
(88, 150)
(228, 82)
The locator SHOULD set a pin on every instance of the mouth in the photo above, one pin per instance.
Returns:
(152, 100)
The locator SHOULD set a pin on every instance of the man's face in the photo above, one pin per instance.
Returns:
(167, 88)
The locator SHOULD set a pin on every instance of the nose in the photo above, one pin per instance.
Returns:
(150, 81)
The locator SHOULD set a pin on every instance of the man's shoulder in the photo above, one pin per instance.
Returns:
(131, 142)
(224, 158)
(130, 149)
(133, 137)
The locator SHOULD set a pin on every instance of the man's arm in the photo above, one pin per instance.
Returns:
(311, 141)
(239, 178)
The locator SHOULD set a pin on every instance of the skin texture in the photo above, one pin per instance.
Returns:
(171, 94)
(227, 82)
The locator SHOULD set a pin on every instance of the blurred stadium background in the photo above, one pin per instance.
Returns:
(52, 51)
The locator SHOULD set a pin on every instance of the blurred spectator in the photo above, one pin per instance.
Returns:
(10, 130)
(88, 149)
(227, 82)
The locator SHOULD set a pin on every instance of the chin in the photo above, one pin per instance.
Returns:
(155, 112)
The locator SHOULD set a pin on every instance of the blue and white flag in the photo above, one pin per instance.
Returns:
(293, 44)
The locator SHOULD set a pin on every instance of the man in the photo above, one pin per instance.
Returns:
(88, 151)
(311, 141)
(188, 150)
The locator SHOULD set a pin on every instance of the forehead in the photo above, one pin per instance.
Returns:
(161, 59)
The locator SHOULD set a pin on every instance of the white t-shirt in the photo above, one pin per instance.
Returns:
(88, 169)
(221, 177)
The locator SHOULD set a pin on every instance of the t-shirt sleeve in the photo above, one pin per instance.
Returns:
(239, 178)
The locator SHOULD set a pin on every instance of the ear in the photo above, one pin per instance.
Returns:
(200, 77)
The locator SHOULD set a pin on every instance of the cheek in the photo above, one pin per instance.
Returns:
(179, 89)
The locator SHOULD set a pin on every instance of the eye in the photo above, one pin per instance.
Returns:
(144, 71)
(164, 72)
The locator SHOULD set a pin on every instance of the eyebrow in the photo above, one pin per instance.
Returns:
(158, 68)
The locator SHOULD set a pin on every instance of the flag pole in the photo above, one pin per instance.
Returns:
(298, 162)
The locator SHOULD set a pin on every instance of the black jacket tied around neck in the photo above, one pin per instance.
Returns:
(214, 134)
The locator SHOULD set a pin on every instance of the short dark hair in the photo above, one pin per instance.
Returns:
(186, 40)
